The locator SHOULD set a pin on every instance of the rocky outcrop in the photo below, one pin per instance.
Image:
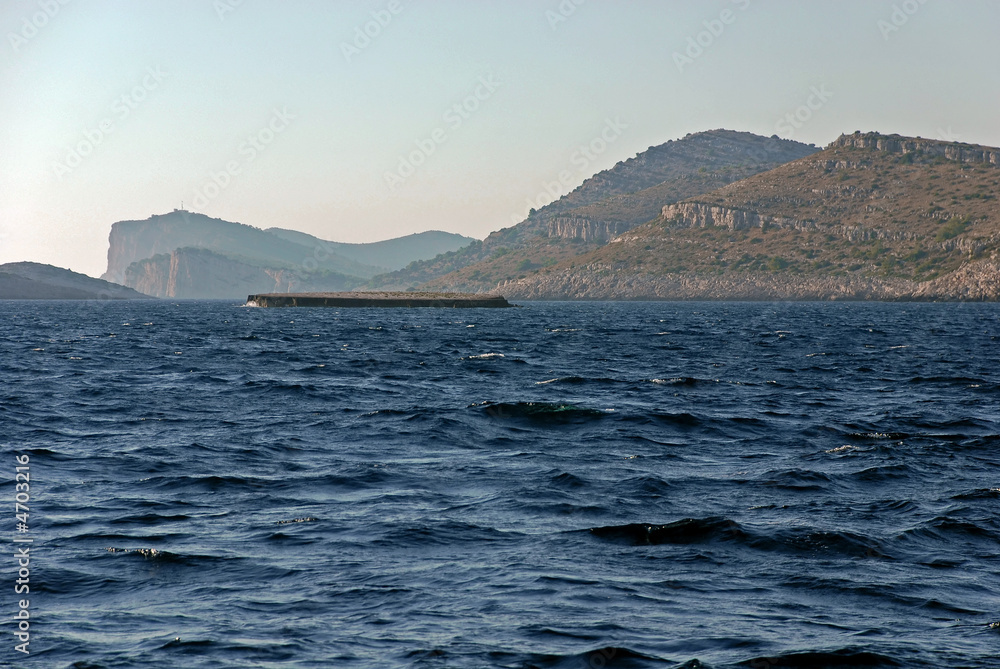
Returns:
(698, 215)
(585, 229)
(965, 153)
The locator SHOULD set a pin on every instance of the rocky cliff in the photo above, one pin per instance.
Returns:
(200, 274)
(897, 144)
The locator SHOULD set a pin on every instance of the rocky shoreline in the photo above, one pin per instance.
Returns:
(975, 282)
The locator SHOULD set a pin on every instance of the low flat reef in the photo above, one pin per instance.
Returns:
(379, 299)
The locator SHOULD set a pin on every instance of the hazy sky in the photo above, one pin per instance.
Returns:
(292, 113)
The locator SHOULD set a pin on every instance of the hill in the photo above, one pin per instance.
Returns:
(188, 255)
(870, 217)
(35, 281)
(387, 255)
(607, 204)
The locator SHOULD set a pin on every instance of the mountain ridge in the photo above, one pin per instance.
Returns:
(608, 203)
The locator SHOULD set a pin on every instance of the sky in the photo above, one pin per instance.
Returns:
(358, 121)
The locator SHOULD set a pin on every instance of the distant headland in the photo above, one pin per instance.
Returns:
(35, 281)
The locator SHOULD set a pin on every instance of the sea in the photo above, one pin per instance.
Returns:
(558, 485)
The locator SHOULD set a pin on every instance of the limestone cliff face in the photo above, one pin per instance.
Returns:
(965, 153)
(585, 229)
(698, 215)
(199, 274)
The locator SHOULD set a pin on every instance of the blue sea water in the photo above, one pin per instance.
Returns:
(560, 485)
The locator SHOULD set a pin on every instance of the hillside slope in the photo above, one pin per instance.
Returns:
(35, 281)
(607, 204)
(870, 217)
(389, 254)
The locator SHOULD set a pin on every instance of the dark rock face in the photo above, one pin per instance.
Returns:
(34, 281)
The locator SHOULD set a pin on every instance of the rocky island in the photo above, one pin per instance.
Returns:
(379, 299)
